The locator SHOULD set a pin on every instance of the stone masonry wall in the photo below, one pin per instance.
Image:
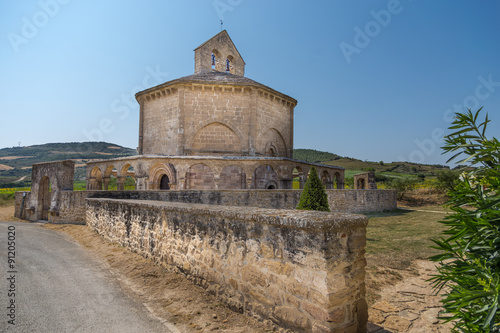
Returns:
(213, 115)
(20, 210)
(304, 270)
(72, 206)
(160, 125)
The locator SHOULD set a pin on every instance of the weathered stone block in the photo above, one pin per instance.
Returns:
(290, 316)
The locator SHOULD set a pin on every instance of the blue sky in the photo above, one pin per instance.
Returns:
(374, 80)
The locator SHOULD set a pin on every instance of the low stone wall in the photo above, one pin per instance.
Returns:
(70, 206)
(342, 201)
(302, 269)
(21, 210)
(362, 201)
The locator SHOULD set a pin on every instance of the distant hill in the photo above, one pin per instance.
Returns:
(15, 162)
(314, 156)
(356, 165)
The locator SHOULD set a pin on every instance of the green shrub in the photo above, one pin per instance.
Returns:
(380, 177)
(469, 266)
(313, 196)
(7, 198)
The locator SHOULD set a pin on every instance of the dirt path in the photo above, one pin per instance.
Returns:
(20, 179)
(409, 306)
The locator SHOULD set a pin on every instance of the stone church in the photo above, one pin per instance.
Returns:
(215, 129)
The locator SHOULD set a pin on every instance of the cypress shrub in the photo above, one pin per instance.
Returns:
(313, 197)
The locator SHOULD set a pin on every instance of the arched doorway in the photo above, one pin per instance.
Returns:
(164, 183)
(44, 198)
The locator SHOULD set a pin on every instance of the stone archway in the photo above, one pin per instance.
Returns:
(326, 180)
(199, 177)
(96, 179)
(157, 179)
(216, 139)
(271, 143)
(271, 185)
(232, 177)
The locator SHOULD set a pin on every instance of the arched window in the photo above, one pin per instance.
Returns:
(213, 61)
(272, 151)
(229, 64)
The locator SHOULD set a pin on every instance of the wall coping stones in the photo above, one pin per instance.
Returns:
(312, 220)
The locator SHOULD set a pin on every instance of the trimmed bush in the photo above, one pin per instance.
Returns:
(313, 197)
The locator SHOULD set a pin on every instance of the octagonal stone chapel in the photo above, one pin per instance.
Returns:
(215, 129)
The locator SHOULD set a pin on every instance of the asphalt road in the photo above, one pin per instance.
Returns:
(58, 287)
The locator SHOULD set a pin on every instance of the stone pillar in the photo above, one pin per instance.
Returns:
(181, 182)
(216, 182)
(120, 183)
(91, 184)
(140, 183)
(105, 183)
(249, 183)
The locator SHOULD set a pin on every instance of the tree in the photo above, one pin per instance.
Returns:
(447, 179)
(313, 197)
(469, 265)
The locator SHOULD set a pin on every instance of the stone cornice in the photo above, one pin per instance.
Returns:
(171, 87)
(201, 158)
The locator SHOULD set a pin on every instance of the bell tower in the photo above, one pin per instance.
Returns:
(218, 54)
